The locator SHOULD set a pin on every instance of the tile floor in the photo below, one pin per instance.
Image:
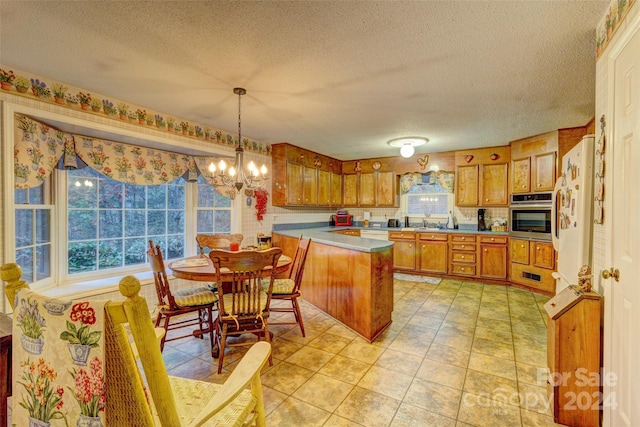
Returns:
(457, 354)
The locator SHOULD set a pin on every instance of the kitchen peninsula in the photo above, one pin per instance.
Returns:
(349, 278)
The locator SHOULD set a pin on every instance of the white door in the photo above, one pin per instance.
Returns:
(624, 295)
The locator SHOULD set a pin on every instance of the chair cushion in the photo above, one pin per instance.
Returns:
(194, 296)
(228, 297)
(191, 397)
(282, 286)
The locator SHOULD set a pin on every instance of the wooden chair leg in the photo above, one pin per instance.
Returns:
(267, 337)
(166, 331)
(298, 314)
(223, 340)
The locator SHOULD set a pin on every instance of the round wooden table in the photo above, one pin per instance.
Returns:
(189, 269)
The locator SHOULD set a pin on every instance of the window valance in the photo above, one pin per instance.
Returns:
(40, 148)
(445, 179)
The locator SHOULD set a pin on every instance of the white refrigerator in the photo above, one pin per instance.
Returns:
(572, 218)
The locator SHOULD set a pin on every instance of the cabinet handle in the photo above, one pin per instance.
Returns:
(492, 239)
(522, 246)
(423, 246)
(539, 185)
(486, 200)
(462, 269)
(538, 247)
(463, 238)
(432, 236)
(524, 186)
(462, 246)
(485, 250)
(410, 246)
(462, 256)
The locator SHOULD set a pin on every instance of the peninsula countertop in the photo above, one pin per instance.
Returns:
(325, 235)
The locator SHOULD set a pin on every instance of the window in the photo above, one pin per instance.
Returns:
(427, 199)
(110, 222)
(214, 210)
(33, 217)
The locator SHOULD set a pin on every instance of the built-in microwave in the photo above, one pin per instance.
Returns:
(530, 216)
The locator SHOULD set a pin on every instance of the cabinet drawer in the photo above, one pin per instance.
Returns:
(469, 246)
(463, 257)
(402, 235)
(462, 238)
(494, 239)
(462, 269)
(433, 236)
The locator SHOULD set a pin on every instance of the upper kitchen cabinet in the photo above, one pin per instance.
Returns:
(533, 163)
(304, 178)
(370, 183)
(482, 177)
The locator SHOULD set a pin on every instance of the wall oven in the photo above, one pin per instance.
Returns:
(530, 216)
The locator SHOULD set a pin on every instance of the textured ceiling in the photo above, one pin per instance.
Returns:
(340, 78)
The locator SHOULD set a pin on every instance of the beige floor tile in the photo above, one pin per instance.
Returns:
(400, 362)
(528, 329)
(536, 419)
(293, 413)
(480, 411)
(426, 321)
(493, 348)
(531, 374)
(320, 323)
(295, 336)
(433, 397)
(442, 373)
(412, 416)
(534, 398)
(492, 387)
(450, 355)
(453, 340)
(336, 421)
(457, 327)
(531, 356)
(494, 334)
(363, 352)
(368, 408)
(324, 392)
(330, 343)
(272, 398)
(462, 316)
(386, 382)
(281, 348)
(286, 377)
(345, 369)
(493, 324)
(310, 358)
(342, 331)
(531, 341)
(430, 311)
(493, 365)
(414, 343)
(494, 314)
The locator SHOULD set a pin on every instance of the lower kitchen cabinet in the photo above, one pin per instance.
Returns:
(432, 254)
(493, 257)
(404, 249)
(532, 263)
(463, 254)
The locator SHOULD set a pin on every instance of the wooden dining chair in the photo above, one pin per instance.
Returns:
(199, 301)
(289, 288)
(243, 304)
(217, 241)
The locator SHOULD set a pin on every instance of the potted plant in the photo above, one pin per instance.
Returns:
(59, 92)
(108, 107)
(72, 101)
(32, 324)
(43, 400)
(141, 114)
(95, 105)
(89, 392)
(82, 339)
(150, 120)
(207, 134)
(122, 110)
(159, 121)
(6, 79)
(40, 89)
(192, 130)
(21, 84)
(84, 98)
(184, 126)
(199, 132)
(170, 124)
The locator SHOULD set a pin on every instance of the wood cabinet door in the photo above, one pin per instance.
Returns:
(545, 172)
(433, 256)
(493, 261)
(350, 183)
(367, 190)
(404, 255)
(494, 185)
(310, 186)
(386, 189)
(467, 185)
(324, 188)
(521, 175)
(294, 184)
(520, 251)
(544, 255)
(336, 190)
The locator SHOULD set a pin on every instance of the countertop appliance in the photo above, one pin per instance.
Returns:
(343, 218)
(573, 213)
(481, 224)
(393, 223)
(530, 216)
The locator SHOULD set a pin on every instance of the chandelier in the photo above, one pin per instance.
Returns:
(236, 177)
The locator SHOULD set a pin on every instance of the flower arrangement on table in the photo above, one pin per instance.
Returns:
(89, 389)
(42, 401)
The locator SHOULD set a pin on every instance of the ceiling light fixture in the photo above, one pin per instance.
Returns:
(236, 176)
(407, 144)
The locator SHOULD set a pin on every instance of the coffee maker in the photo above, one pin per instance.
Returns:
(481, 224)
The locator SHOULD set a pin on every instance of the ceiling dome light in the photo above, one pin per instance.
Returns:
(407, 144)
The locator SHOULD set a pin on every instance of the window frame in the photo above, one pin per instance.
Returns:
(404, 206)
(59, 232)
